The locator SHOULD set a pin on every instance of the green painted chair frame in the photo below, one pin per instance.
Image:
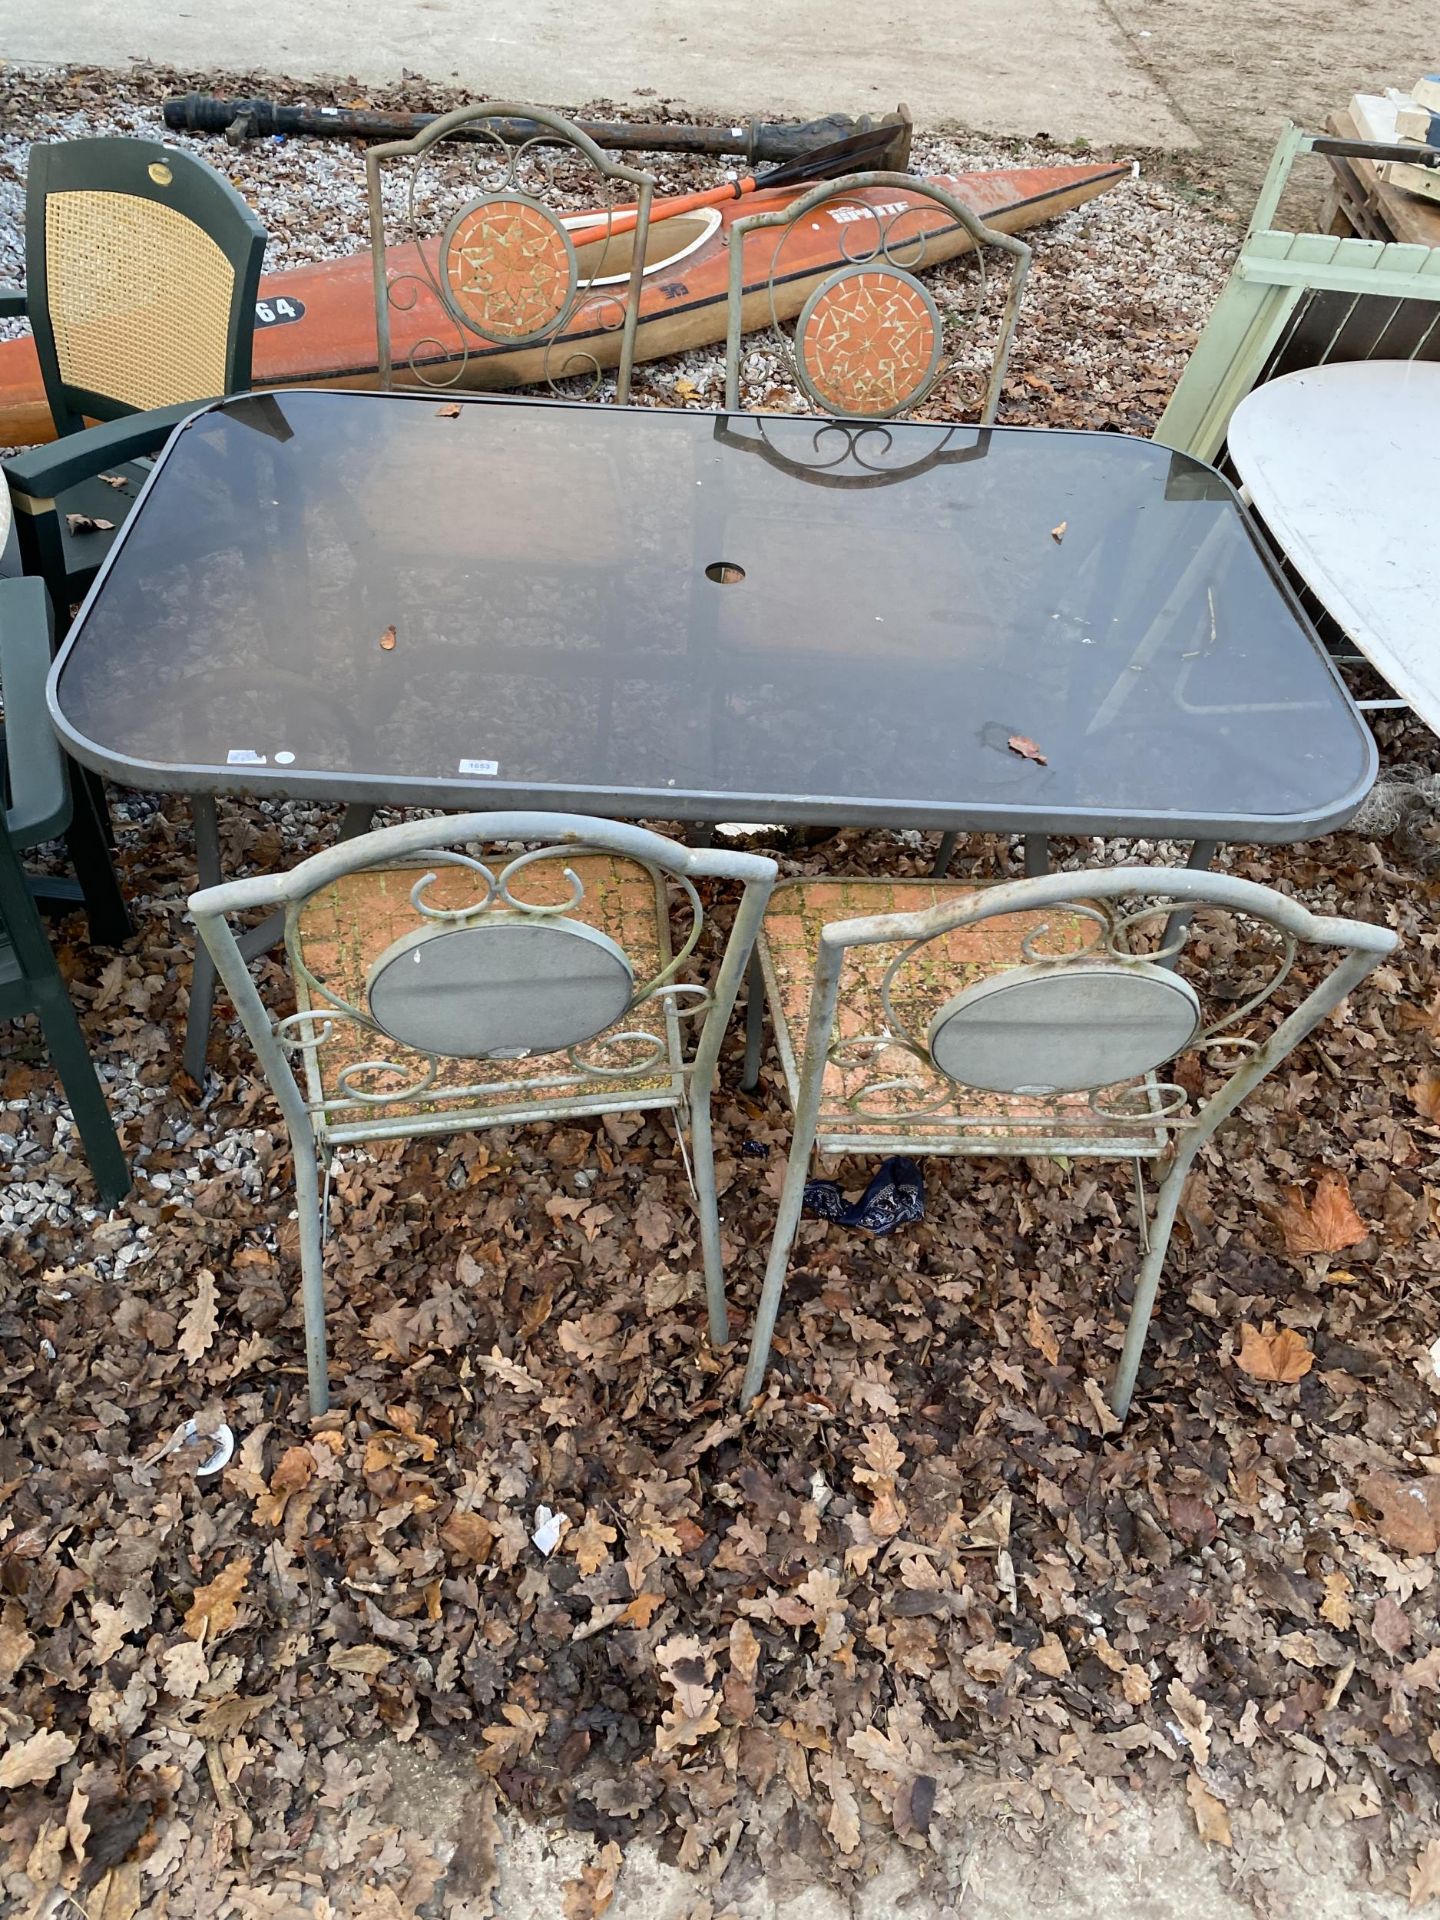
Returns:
(194, 249)
(487, 997)
(38, 809)
(1145, 1116)
(885, 247)
(1299, 300)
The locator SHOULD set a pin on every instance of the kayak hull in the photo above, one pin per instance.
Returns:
(315, 325)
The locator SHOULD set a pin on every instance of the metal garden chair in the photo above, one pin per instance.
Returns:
(508, 271)
(37, 808)
(870, 341)
(1034, 1017)
(1299, 300)
(142, 267)
(438, 991)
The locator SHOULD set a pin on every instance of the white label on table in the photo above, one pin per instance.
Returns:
(489, 768)
(244, 757)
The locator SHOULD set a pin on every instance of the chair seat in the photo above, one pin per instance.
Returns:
(345, 928)
(927, 1114)
(95, 499)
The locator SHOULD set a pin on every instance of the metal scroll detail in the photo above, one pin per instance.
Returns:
(505, 274)
(870, 341)
(334, 1015)
(891, 1077)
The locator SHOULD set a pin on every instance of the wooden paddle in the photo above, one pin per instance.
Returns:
(856, 153)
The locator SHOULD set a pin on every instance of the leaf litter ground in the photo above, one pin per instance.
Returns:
(926, 1588)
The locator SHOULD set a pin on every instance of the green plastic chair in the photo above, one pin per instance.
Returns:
(38, 809)
(142, 267)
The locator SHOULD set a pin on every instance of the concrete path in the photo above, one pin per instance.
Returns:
(997, 66)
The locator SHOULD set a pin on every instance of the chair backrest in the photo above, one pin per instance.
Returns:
(869, 340)
(1298, 300)
(431, 959)
(540, 294)
(142, 267)
(1122, 971)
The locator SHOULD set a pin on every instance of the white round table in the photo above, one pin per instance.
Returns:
(1342, 463)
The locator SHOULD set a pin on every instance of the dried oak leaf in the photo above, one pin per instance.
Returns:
(744, 1649)
(1211, 1820)
(1194, 1718)
(1327, 1224)
(117, 480)
(1335, 1607)
(1390, 1627)
(89, 523)
(213, 1609)
(367, 1660)
(511, 1742)
(1050, 1658)
(1425, 1875)
(452, 412)
(1408, 1511)
(1282, 1356)
(587, 1897)
(467, 1537)
(590, 1543)
(507, 1372)
(1026, 749)
(36, 1760)
(1057, 534)
(387, 640)
(843, 1822)
(293, 1472)
(202, 1317)
(1425, 1094)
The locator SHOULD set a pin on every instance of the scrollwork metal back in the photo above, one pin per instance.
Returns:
(870, 340)
(1114, 935)
(502, 276)
(621, 1053)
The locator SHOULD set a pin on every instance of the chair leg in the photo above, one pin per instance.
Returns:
(792, 1201)
(88, 842)
(702, 1146)
(948, 843)
(754, 1022)
(1167, 1204)
(83, 1090)
(312, 1275)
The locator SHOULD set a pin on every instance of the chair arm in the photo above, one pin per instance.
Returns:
(39, 798)
(12, 303)
(42, 472)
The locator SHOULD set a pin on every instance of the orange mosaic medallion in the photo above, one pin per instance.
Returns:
(508, 268)
(867, 341)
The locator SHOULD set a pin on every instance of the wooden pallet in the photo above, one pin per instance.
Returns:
(1360, 202)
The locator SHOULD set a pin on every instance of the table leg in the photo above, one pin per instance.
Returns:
(948, 843)
(356, 820)
(1037, 855)
(1202, 852)
(202, 971)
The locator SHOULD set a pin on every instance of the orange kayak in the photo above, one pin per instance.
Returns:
(315, 325)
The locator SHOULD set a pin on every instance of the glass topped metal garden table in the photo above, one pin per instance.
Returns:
(683, 616)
